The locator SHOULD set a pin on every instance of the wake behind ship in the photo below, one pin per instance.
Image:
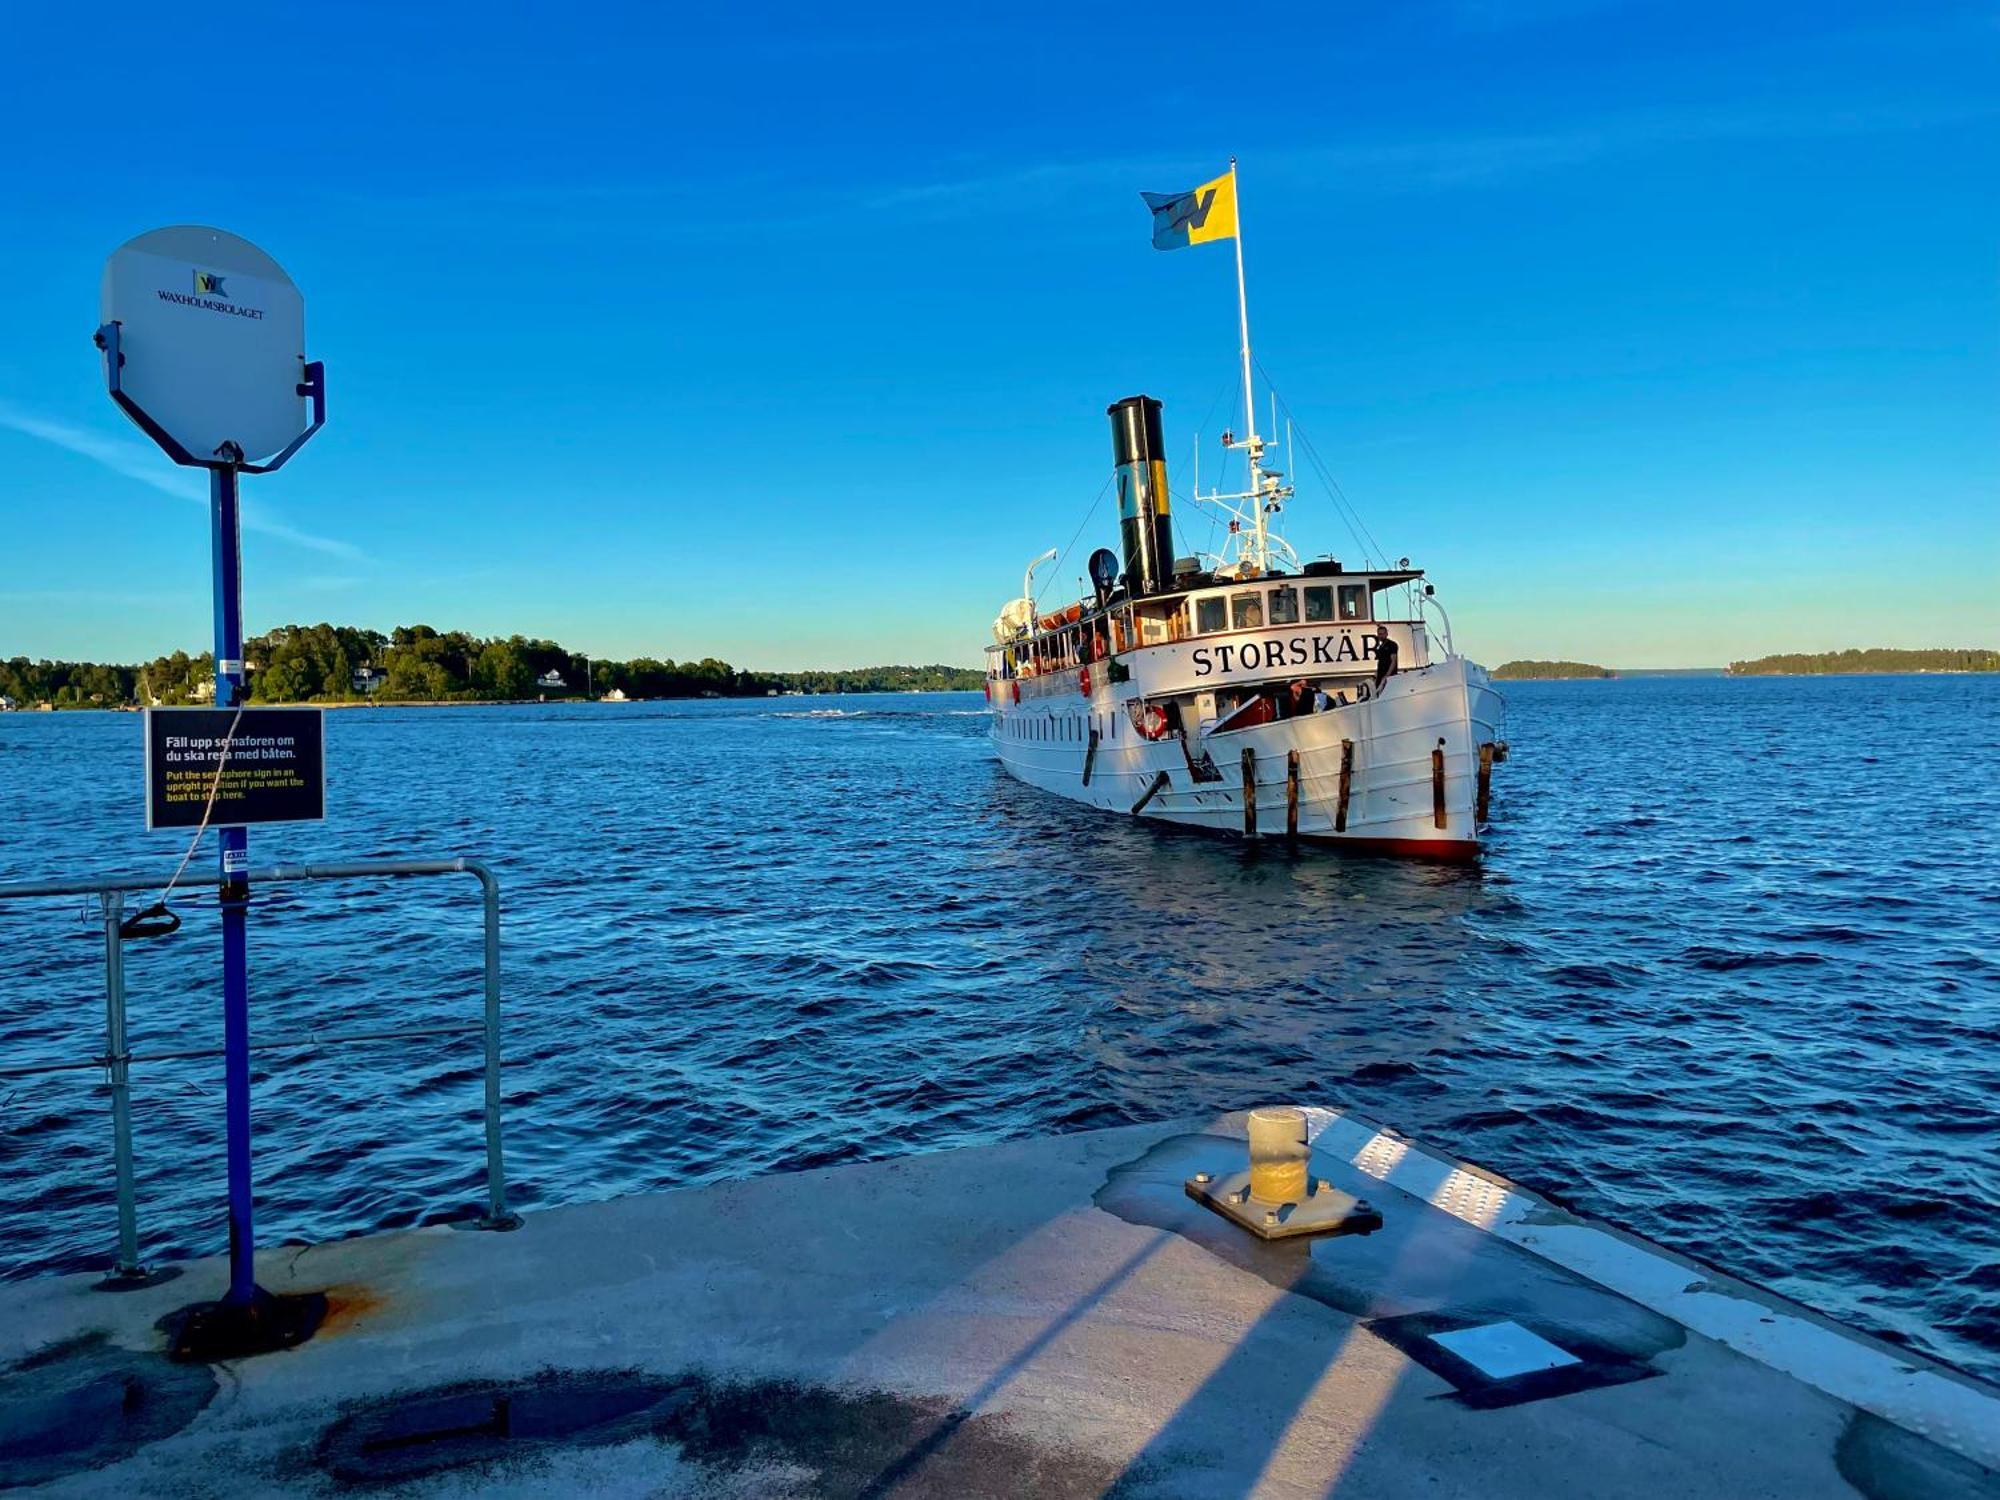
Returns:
(1243, 691)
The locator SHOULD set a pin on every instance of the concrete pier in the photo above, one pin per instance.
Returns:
(1052, 1318)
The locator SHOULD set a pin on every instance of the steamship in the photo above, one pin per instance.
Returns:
(1245, 691)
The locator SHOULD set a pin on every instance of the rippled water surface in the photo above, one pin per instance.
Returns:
(1729, 974)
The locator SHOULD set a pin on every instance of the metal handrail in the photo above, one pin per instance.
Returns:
(118, 1058)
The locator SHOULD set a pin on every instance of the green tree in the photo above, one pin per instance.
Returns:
(502, 672)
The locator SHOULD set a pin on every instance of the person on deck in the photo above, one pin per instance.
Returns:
(1385, 658)
(1298, 699)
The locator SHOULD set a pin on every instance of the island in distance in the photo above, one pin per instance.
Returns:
(1542, 671)
(1876, 659)
(1879, 659)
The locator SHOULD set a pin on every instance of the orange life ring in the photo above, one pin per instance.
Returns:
(1153, 722)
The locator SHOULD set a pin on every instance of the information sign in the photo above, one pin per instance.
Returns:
(273, 766)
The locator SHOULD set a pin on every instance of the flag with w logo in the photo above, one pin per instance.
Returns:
(1195, 218)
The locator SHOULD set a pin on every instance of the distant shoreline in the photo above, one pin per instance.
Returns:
(346, 703)
(1615, 674)
(1877, 672)
(1871, 661)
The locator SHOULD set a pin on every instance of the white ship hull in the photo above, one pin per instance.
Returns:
(1416, 759)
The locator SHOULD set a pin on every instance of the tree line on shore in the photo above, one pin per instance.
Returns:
(415, 663)
(1875, 659)
(1543, 671)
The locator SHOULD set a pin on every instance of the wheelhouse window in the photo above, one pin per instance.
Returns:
(1354, 601)
(1160, 622)
(1247, 610)
(1284, 606)
(1210, 615)
(1319, 602)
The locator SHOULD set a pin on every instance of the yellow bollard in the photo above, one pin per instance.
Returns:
(1278, 1154)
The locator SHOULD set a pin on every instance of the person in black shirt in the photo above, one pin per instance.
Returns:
(1385, 658)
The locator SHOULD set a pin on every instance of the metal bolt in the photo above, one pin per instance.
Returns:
(1203, 1177)
(1270, 1216)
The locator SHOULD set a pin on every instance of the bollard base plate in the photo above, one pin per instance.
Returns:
(210, 1331)
(135, 1279)
(1325, 1209)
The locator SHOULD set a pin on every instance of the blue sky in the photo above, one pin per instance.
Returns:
(1659, 333)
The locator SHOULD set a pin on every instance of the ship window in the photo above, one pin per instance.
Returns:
(1354, 601)
(1319, 603)
(1210, 615)
(1284, 606)
(1247, 610)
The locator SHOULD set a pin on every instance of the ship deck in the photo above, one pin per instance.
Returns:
(1053, 1317)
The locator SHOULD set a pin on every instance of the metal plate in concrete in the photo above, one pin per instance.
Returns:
(1500, 1351)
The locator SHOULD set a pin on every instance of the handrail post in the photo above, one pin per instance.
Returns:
(497, 1214)
(116, 1058)
(117, 1067)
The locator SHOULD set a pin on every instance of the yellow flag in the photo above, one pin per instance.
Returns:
(1194, 218)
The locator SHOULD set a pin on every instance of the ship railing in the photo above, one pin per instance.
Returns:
(117, 1058)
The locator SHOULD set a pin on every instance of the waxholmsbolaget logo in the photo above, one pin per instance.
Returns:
(1191, 212)
(211, 295)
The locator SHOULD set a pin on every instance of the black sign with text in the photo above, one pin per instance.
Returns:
(273, 766)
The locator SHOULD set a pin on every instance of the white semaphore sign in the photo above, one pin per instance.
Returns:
(212, 337)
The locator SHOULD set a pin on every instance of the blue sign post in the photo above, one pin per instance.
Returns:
(232, 870)
(202, 336)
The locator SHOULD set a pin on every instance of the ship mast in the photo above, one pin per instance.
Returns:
(1251, 443)
(1265, 492)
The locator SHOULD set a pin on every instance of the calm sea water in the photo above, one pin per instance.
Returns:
(1730, 974)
